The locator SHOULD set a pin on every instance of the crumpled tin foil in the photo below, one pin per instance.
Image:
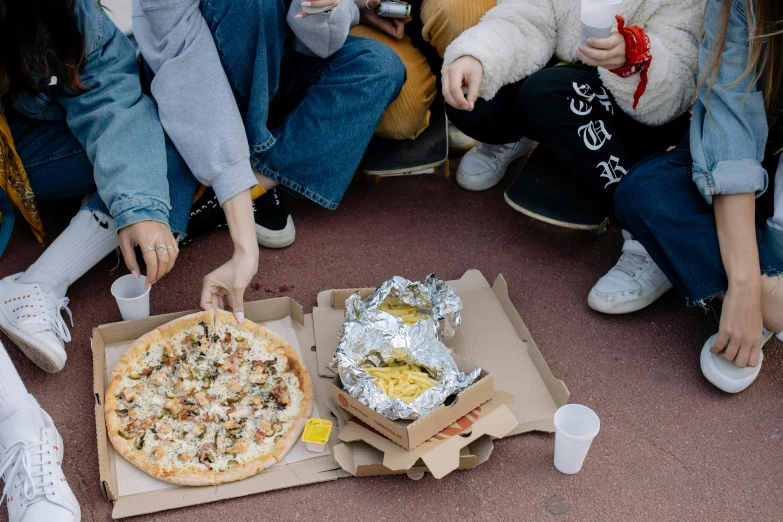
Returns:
(373, 337)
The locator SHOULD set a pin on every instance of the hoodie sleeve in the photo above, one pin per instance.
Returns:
(197, 108)
(322, 34)
(674, 31)
(512, 41)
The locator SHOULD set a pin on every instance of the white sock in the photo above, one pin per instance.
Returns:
(90, 237)
(13, 394)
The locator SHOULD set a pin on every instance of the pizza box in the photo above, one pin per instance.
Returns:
(462, 445)
(135, 493)
(492, 337)
(410, 434)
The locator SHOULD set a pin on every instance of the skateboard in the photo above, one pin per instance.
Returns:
(429, 153)
(554, 197)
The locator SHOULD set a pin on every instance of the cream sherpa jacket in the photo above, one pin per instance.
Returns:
(518, 37)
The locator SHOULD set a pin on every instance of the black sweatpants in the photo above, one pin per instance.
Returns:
(588, 137)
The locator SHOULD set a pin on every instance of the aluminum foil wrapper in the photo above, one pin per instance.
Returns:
(373, 337)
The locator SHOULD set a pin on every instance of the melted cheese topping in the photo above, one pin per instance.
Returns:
(208, 399)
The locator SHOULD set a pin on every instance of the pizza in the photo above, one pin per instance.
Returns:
(204, 400)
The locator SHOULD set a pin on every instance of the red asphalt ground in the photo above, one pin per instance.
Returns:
(671, 447)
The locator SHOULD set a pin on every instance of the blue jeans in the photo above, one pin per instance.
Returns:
(663, 208)
(59, 168)
(308, 120)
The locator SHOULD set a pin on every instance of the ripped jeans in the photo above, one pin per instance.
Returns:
(661, 205)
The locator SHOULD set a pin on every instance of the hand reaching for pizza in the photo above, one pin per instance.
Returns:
(228, 283)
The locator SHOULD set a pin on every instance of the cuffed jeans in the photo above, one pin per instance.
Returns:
(58, 168)
(659, 203)
(308, 120)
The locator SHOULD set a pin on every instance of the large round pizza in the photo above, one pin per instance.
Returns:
(204, 400)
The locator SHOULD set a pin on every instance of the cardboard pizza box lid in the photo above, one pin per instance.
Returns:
(492, 336)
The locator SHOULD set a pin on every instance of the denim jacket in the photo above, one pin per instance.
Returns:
(728, 144)
(116, 124)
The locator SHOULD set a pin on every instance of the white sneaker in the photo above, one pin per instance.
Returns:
(634, 283)
(459, 142)
(31, 455)
(33, 320)
(726, 375)
(485, 165)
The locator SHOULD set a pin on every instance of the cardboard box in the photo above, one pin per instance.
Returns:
(410, 434)
(493, 337)
(110, 341)
(361, 459)
(442, 452)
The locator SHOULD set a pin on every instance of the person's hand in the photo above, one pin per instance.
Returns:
(158, 248)
(739, 338)
(228, 284)
(394, 27)
(608, 53)
(466, 71)
(329, 4)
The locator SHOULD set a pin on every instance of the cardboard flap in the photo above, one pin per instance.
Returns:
(443, 459)
(493, 342)
(441, 453)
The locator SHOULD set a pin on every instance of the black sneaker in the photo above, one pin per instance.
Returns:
(274, 226)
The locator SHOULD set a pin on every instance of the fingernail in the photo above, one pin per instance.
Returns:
(241, 317)
(307, 4)
(299, 16)
(135, 274)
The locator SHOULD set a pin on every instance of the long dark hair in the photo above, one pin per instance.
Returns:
(765, 60)
(39, 37)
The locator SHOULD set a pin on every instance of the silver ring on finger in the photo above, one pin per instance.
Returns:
(367, 4)
(147, 250)
(161, 250)
(169, 247)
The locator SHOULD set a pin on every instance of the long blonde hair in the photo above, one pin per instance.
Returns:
(765, 59)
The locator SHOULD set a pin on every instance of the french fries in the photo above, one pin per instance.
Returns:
(408, 313)
(405, 382)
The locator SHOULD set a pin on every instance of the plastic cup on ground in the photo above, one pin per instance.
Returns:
(575, 428)
(598, 17)
(132, 298)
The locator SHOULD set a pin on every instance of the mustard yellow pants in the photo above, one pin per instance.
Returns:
(443, 21)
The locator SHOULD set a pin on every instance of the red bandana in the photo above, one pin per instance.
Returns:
(637, 50)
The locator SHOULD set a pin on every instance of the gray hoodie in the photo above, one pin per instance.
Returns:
(201, 117)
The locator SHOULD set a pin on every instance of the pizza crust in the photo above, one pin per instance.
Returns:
(191, 475)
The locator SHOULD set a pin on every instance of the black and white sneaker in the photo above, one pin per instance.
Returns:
(274, 225)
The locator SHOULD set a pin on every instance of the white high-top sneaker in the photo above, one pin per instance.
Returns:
(485, 165)
(33, 320)
(725, 375)
(634, 283)
(31, 456)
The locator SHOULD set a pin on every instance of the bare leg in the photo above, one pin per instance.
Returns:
(266, 183)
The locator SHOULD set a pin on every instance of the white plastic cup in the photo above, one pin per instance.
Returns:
(575, 428)
(132, 298)
(598, 17)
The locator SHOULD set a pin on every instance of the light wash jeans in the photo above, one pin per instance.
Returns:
(308, 120)
(58, 168)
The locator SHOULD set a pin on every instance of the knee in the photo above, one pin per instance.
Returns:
(381, 64)
(444, 20)
(639, 194)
